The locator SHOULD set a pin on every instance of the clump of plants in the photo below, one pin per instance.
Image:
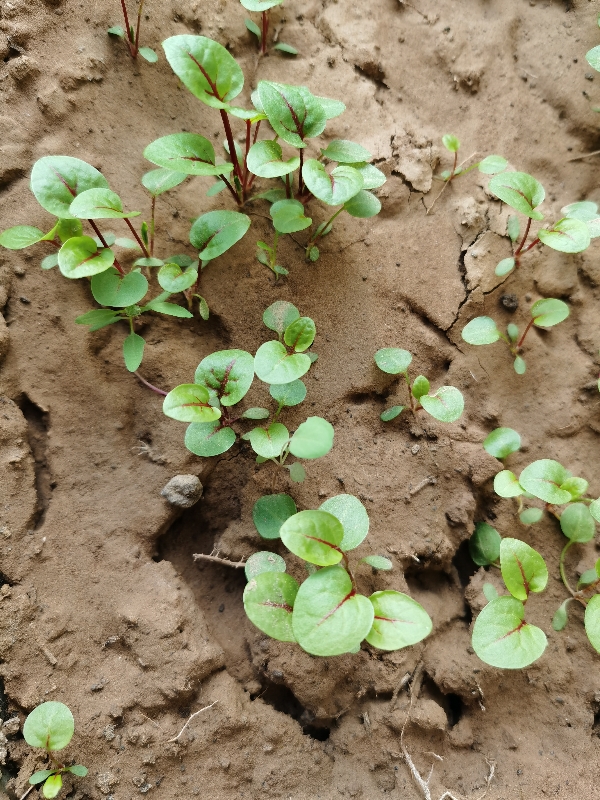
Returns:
(446, 404)
(545, 313)
(50, 727)
(341, 176)
(224, 378)
(132, 36)
(325, 614)
(74, 192)
(263, 7)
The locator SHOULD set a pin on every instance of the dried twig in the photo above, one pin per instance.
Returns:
(195, 714)
(215, 559)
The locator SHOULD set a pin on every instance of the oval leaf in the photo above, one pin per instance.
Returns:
(269, 600)
(208, 439)
(314, 536)
(49, 726)
(228, 374)
(110, 289)
(353, 516)
(273, 363)
(214, 233)
(523, 569)
(270, 512)
(333, 188)
(185, 153)
(189, 403)
(543, 479)
(446, 404)
(80, 257)
(502, 638)
(399, 621)
(313, 439)
(520, 191)
(57, 180)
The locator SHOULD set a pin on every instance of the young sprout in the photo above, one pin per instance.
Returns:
(545, 313)
(50, 727)
(446, 404)
(224, 378)
(131, 36)
(263, 7)
(572, 233)
(325, 615)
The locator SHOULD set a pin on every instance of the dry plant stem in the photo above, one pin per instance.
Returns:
(216, 560)
(195, 714)
(149, 385)
(96, 229)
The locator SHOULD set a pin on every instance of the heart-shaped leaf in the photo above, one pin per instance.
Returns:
(49, 726)
(214, 233)
(269, 600)
(445, 404)
(481, 330)
(503, 639)
(99, 204)
(185, 153)
(228, 374)
(543, 479)
(190, 403)
(80, 257)
(523, 568)
(313, 439)
(57, 180)
(333, 188)
(208, 439)
(399, 621)
(109, 288)
(315, 536)
(270, 512)
(567, 236)
(520, 191)
(173, 279)
(273, 363)
(265, 159)
(353, 516)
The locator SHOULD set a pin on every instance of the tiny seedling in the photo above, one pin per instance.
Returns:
(131, 36)
(50, 727)
(75, 192)
(224, 378)
(545, 313)
(446, 404)
(263, 7)
(326, 615)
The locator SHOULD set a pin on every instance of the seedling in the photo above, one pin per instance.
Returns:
(572, 233)
(75, 192)
(263, 7)
(131, 36)
(50, 727)
(296, 115)
(545, 313)
(446, 404)
(325, 615)
(224, 378)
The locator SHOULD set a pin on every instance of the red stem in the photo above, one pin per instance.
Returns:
(137, 238)
(150, 385)
(103, 240)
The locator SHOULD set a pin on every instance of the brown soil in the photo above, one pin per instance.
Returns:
(102, 605)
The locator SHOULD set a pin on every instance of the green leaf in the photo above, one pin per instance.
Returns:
(353, 517)
(329, 617)
(507, 485)
(420, 387)
(503, 639)
(49, 726)
(149, 54)
(265, 159)
(98, 318)
(78, 769)
(253, 28)
(173, 279)
(561, 617)
(288, 216)
(39, 777)
(484, 545)
(269, 600)
(567, 236)
(20, 236)
(315, 536)
(293, 112)
(543, 480)
(268, 443)
(190, 403)
(592, 622)
(445, 404)
(333, 188)
(256, 413)
(110, 289)
(300, 334)
(391, 413)
(288, 394)
(346, 152)
(285, 48)
(49, 262)
(481, 330)
(450, 142)
(52, 786)
(399, 621)
(206, 68)
(513, 228)
(492, 165)
(116, 30)
(531, 515)
(208, 439)
(99, 204)
(594, 509)
(133, 351)
(273, 363)
(270, 512)
(577, 523)
(313, 439)
(263, 561)
(214, 233)
(393, 360)
(489, 592)
(280, 316)
(56, 180)
(575, 486)
(161, 180)
(228, 374)
(80, 257)
(520, 191)
(185, 153)
(548, 312)
(523, 569)
(363, 205)
(297, 472)
(501, 442)
(593, 58)
(505, 266)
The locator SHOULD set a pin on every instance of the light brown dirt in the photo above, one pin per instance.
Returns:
(102, 606)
